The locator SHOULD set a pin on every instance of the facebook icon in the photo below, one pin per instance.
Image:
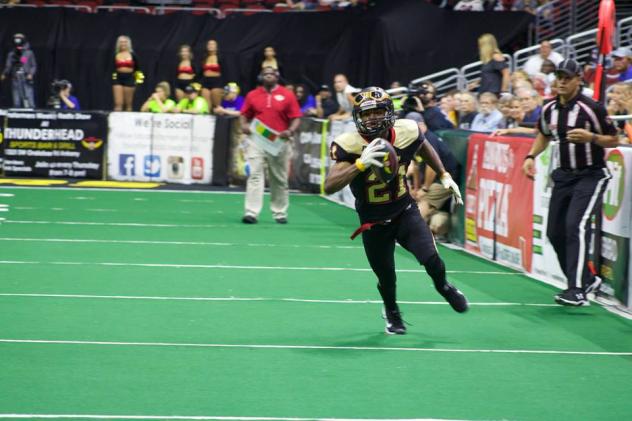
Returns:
(127, 165)
(152, 166)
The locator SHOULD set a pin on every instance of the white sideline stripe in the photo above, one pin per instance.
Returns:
(7, 195)
(293, 300)
(174, 265)
(202, 417)
(320, 347)
(180, 243)
(120, 224)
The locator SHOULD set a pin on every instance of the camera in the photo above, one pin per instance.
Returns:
(59, 85)
(421, 91)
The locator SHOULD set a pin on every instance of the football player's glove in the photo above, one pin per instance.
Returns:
(371, 155)
(449, 184)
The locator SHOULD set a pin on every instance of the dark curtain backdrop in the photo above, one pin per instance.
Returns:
(396, 40)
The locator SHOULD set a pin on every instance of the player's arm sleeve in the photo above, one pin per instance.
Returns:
(339, 154)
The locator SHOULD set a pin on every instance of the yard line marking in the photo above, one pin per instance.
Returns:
(121, 224)
(292, 300)
(201, 417)
(199, 266)
(318, 347)
(178, 243)
(7, 195)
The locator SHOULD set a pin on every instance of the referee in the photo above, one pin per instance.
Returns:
(580, 130)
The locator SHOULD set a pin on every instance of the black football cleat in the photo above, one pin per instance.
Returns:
(575, 297)
(394, 323)
(281, 220)
(455, 298)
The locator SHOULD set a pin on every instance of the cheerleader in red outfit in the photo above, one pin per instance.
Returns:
(126, 76)
(185, 72)
(212, 86)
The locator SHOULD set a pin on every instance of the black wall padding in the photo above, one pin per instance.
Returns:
(396, 40)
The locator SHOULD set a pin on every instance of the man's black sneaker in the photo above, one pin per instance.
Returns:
(455, 298)
(594, 285)
(249, 219)
(394, 322)
(282, 220)
(572, 297)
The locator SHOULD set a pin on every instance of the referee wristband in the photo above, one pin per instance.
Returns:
(529, 157)
(359, 165)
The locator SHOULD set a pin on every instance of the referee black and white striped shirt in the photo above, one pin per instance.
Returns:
(579, 113)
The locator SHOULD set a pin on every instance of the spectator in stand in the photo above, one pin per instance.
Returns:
(622, 62)
(326, 105)
(530, 101)
(159, 101)
(21, 67)
(281, 115)
(343, 98)
(612, 73)
(620, 103)
(467, 110)
(192, 103)
(525, 6)
(126, 76)
(478, 6)
(306, 101)
(185, 73)
(518, 79)
(212, 86)
(231, 102)
(448, 107)
(504, 106)
(488, 118)
(302, 4)
(533, 64)
(512, 124)
(495, 70)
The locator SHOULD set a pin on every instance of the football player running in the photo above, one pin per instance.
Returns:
(387, 212)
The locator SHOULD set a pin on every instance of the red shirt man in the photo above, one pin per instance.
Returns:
(278, 109)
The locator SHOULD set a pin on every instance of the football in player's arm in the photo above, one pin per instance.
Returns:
(386, 209)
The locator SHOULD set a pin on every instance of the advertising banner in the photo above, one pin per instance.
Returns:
(43, 143)
(306, 155)
(344, 196)
(161, 147)
(545, 262)
(499, 200)
(617, 224)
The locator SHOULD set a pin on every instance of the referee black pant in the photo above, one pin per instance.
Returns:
(576, 195)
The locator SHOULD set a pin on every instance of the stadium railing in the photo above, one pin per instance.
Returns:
(624, 31)
(443, 81)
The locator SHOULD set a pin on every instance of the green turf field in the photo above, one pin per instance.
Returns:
(162, 305)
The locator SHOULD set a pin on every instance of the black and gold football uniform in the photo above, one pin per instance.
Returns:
(376, 200)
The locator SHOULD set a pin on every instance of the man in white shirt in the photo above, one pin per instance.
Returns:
(534, 63)
(344, 97)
